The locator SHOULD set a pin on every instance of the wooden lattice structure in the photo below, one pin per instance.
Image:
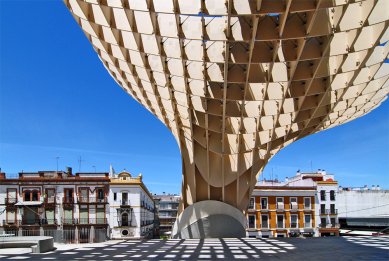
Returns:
(238, 80)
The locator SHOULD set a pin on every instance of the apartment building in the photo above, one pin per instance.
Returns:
(326, 199)
(167, 208)
(69, 206)
(131, 207)
(76, 208)
(303, 205)
(276, 210)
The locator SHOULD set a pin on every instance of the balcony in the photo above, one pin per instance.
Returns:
(11, 201)
(331, 211)
(11, 222)
(125, 203)
(91, 200)
(323, 211)
(68, 202)
(125, 224)
(333, 225)
(50, 201)
(84, 221)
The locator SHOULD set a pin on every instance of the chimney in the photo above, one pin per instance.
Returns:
(69, 171)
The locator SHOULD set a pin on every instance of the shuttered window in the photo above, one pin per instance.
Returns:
(100, 216)
(11, 216)
(68, 216)
(50, 216)
(84, 216)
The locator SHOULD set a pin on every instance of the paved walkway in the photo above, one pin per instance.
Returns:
(342, 248)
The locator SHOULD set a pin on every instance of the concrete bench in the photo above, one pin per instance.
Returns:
(37, 244)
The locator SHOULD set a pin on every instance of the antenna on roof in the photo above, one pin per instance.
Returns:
(57, 158)
(79, 163)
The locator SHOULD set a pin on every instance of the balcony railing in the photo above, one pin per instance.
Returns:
(11, 222)
(125, 224)
(82, 199)
(84, 221)
(50, 200)
(125, 202)
(332, 211)
(332, 225)
(9, 201)
(68, 200)
(38, 222)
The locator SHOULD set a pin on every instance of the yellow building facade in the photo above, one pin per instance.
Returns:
(280, 211)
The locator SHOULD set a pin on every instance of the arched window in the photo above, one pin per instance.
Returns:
(125, 219)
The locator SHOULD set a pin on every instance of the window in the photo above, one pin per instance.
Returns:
(293, 204)
(322, 209)
(100, 193)
(333, 222)
(124, 220)
(332, 209)
(251, 221)
(323, 222)
(31, 195)
(50, 195)
(332, 195)
(322, 195)
(100, 214)
(35, 195)
(264, 221)
(84, 215)
(84, 192)
(124, 198)
(115, 196)
(50, 216)
(293, 221)
(307, 221)
(307, 203)
(11, 195)
(280, 203)
(280, 221)
(68, 216)
(68, 195)
(252, 203)
(263, 203)
(11, 216)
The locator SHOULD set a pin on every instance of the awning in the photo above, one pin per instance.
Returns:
(29, 203)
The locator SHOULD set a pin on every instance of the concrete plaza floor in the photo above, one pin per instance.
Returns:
(341, 248)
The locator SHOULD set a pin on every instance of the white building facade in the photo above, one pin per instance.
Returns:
(131, 212)
(325, 200)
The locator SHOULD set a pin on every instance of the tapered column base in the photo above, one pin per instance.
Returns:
(210, 219)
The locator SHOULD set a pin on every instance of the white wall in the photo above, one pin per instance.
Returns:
(364, 203)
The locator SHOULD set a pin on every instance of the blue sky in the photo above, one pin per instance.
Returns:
(57, 100)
